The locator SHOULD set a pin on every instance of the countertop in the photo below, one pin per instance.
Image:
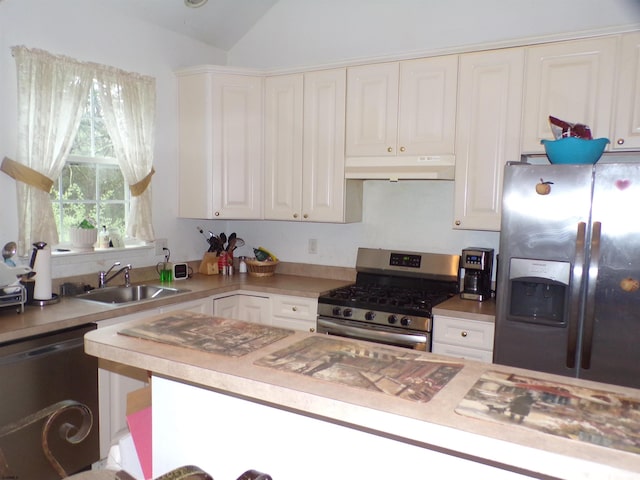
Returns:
(71, 312)
(434, 424)
(467, 309)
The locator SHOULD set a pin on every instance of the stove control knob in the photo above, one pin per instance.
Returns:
(337, 310)
(392, 319)
(370, 315)
(405, 321)
(347, 312)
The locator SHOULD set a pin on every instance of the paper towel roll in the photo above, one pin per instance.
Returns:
(42, 267)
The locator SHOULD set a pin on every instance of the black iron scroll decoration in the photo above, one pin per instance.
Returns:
(68, 432)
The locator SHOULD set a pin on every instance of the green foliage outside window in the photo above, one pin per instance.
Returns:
(91, 185)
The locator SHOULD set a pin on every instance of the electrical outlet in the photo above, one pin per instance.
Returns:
(313, 245)
(161, 244)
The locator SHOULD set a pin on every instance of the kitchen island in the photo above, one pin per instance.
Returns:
(310, 406)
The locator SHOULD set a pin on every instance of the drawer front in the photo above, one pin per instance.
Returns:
(294, 307)
(462, 352)
(465, 333)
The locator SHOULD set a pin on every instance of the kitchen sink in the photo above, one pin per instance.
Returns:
(135, 293)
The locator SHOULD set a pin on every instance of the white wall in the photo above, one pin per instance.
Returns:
(407, 215)
(82, 30)
(312, 32)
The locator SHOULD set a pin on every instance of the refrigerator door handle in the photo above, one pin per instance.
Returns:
(574, 307)
(590, 310)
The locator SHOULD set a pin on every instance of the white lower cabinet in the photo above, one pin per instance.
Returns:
(458, 337)
(296, 313)
(284, 311)
(204, 306)
(115, 380)
(248, 308)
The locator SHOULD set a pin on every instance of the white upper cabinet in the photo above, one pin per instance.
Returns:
(488, 134)
(626, 129)
(283, 147)
(372, 110)
(427, 106)
(401, 115)
(220, 145)
(304, 149)
(573, 81)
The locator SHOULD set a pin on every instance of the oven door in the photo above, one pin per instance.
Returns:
(375, 333)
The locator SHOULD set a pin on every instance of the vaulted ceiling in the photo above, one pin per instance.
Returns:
(220, 23)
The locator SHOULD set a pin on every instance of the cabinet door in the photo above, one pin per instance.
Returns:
(237, 148)
(626, 133)
(573, 81)
(297, 313)
(372, 110)
(323, 180)
(464, 338)
(227, 307)
(219, 146)
(248, 308)
(204, 306)
(195, 144)
(283, 147)
(488, 134)
(254, 309)
(427, 106)
(462, 352)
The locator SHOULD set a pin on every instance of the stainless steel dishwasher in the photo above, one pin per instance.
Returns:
(48, 406)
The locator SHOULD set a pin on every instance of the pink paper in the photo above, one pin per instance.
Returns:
(140, 428)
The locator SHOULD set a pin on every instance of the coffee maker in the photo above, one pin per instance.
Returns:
(476, 267)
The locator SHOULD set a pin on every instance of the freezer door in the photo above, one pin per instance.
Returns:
(542, 228)
(611, 334)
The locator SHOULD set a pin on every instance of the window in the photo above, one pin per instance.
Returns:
(91, 185)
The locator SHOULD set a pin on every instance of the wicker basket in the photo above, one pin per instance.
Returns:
(261, 269)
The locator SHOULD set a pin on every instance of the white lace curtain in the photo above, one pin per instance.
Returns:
(52, 92)
(128, 103)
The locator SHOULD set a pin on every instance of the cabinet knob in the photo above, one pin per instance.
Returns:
(217, 214)
(295, 215)
(295, 309)
(305, 216)
(312, 330)
(402, 149)
(463, 334)
(458, 222)
(389, 149)
(620, 141)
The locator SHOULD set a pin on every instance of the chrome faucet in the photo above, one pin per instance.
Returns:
(103, 277)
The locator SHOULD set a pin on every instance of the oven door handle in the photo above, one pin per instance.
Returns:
(414, 340)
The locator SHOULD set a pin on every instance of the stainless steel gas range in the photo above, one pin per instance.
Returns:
(392, 298)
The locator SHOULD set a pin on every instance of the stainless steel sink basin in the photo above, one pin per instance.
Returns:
(136, 293)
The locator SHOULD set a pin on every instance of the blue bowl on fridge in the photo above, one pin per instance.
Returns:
(574, 150)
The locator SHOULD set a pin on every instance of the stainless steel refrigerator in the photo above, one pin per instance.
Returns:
(568, 297)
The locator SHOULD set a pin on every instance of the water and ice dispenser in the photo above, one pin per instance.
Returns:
(538, 291)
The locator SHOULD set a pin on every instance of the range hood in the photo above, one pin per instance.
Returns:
(432, 167)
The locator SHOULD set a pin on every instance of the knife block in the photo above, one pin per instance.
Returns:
(209, 264)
